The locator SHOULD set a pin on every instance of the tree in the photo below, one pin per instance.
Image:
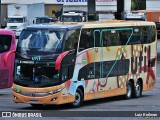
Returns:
(138, 4)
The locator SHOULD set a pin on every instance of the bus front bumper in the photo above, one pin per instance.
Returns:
(49, 99)
(52, 95)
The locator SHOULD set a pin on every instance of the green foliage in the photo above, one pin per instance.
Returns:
(138, 4)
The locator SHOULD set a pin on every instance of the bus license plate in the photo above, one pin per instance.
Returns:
(33, 101)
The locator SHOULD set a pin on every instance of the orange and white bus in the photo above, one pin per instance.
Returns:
(72, 63)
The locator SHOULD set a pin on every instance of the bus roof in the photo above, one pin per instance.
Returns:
(115, 23)
(76, 11)
(54, 26)
(97, 24)
(6, 32)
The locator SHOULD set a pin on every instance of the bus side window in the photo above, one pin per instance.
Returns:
(86, 40)
(97, 39)
(151, 34)
(106, 39)
(72, 38)
(144, 35)
(115, 38)
(123, 37)
(65, 73)
(111, 38)
(136, 37)
(5, 43)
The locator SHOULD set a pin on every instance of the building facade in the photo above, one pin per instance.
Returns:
(153, 4)
(105, 8)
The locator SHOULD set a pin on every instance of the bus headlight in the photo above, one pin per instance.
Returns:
(18, 70)
(16, 90)
(56, 91)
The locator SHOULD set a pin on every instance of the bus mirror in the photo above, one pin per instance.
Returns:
(6, 57)
(83, 19)
(59, 60)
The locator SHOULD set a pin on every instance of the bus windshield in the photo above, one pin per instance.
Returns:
(43, 20)
(40, 42)
(15, 20)
(71, 19)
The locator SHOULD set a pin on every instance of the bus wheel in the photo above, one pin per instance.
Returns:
(78, 98)
(129, 90)
(138, 90)
(37, 105)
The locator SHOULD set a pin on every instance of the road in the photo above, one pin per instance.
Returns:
(150, 101)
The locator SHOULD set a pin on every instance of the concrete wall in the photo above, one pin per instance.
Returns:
(153, 4)
(127, 6)
(106, 17)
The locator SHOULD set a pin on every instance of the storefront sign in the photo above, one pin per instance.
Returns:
(71, 0)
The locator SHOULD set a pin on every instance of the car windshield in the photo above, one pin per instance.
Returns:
(15, 20)
(71, 19)
(40, 42)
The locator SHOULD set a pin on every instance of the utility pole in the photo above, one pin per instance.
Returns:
(120, 10)
(91, 4)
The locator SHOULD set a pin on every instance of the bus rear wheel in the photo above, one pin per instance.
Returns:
(138, 90)
(129, 90)
(78, 98)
